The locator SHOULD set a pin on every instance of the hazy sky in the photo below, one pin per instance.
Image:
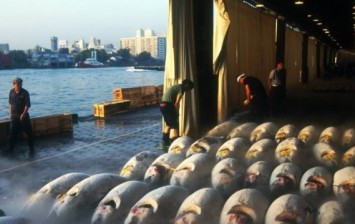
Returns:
(26, 23)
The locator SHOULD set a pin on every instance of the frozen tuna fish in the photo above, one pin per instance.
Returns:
(263, 149)
(242, 131)
(38, 205)
(180, 145)
(223, 129)
(330, 212)
(264, 130)
(290, 150)
(207, 144)
(348, 138)
(245, 206)
(233, 148)
(289, 208)
(330, 135)
(194, 172)
(258, 176)
(136, 167)
(348, 158)
(159, 172)
(285, 178)
(228, 176)
(325, 155)
(201, 207)
(309, 134)
(157, 206)
(286, 131)
(79, 203)
(114, 207)
(316, 185)
(344, 186)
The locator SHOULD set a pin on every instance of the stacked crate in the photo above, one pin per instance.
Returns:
(106, 109)
(42, 126)
(52, 124)
(139, 96)
(125, 99)
(149, 95)
(133, 94)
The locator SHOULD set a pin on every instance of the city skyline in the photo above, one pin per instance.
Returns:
(33, 22)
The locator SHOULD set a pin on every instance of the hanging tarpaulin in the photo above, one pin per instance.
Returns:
(180, 61)
(220, 58)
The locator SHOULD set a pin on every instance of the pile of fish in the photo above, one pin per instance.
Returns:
(235, 173)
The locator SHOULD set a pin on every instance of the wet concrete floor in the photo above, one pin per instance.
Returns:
(95, 146)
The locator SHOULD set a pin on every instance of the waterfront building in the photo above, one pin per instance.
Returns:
(4, 48)
(49, 59)
(54, 43)
(147, 41)
(109, 48)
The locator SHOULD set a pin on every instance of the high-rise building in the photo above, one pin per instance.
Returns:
(54, 43)
(4, 48)
(63, 44)
(94, 43)
(147, 41)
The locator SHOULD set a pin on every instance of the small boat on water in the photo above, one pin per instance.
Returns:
(133, 69)
(91, 62)
(145, 68)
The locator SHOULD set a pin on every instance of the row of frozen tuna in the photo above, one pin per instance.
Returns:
(251, 142)
(196, 190)
(236, 173)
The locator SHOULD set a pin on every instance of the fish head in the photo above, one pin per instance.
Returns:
(241, 214)
(280, 136)
(286, 153)
(316, 183)
(127, 170)
(229, 175)
(282, 184)
(143, 210)
(189, 215)
(182, 173)
(326, 138)
(65, 207)
(156, 174)
(346, 187)
(250, 179)
(348, 158)
(196, 148)
(256, 134)
(105, 211)
(253, 153)
(261, 150)
(176, 149)
(223, 153)
(291, 217)
(304, 136)
(329, 157)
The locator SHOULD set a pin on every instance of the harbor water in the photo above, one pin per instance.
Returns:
(75, 90)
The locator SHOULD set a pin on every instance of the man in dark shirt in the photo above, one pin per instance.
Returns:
(169, 107)
(256, 97)
(19, 100)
